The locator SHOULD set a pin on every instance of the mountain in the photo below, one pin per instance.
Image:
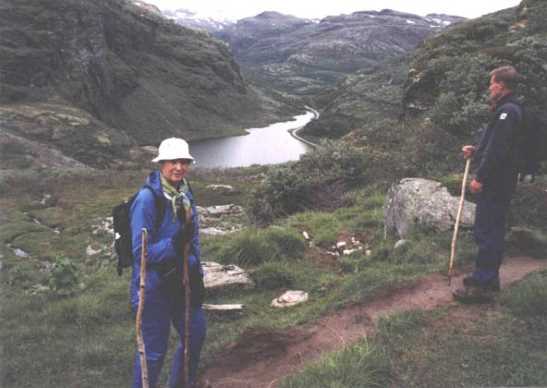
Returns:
(303, 56)
(196, 21)
(91, 79)
(445, 94)
(416, 114)
(364, 98)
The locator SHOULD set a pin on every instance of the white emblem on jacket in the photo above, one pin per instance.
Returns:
(503, 116)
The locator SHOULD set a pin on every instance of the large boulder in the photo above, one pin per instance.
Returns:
(423, 203)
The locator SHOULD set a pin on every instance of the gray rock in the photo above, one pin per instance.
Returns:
(220, 210)
(425, 203)
(217, 276)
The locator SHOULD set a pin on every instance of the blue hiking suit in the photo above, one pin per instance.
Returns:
(497, 172)
(164, 295)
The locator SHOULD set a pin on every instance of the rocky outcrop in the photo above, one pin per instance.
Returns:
(303, 56)
(423, 203)
(92, 78)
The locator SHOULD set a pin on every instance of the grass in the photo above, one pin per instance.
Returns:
(482, 347)
(361, 365)
(81, 332)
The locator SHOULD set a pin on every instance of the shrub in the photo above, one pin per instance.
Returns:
(318, 180)
(64, 276)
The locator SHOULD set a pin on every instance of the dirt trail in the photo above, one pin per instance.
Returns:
(266, 357)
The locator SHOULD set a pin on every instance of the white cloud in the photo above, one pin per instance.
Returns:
(316, 9)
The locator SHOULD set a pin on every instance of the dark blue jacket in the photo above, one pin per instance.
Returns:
(161, 252)
(497, 169)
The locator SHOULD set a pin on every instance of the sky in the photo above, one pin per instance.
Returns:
(237, 9)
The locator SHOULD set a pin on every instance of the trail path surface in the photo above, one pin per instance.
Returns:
(262, 359)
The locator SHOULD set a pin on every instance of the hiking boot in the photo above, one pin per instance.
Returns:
(473, 294)
(491, 285)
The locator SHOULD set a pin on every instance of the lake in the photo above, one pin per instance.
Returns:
(268, 145)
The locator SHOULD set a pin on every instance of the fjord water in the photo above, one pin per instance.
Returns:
(268, 145)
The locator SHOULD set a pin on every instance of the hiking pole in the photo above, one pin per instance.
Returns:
(457, 224)
(140, 340)
(186, 285)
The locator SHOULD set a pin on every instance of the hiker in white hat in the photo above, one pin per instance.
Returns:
(165, 207)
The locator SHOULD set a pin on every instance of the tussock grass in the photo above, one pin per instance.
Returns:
(360, 365)
(256, 246)
(273, 276)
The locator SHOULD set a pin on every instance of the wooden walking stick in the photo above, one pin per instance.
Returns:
(140, 340)
(457, 223)
(186, 243)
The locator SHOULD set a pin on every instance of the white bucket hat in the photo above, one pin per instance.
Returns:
(172, 149)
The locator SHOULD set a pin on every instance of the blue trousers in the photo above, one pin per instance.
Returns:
(489, 233)
(160, 312)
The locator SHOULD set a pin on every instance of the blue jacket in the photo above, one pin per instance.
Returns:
(160, 249)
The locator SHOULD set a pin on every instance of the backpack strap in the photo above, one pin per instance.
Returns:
(160, 207)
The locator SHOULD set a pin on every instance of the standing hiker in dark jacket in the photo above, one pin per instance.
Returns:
(164, 302)
(494, 183)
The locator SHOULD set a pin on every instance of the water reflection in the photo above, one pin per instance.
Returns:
(269, 145)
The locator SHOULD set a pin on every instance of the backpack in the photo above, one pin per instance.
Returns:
(530, 144)
(122, 228)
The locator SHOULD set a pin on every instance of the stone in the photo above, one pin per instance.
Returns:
(418, 202)
(20, 253)
(48, 200)
(221, 189)
(223, 307)
(290, 298)
(218, 276)
(104, 226)
(220, 210)
(347, 252)
(400, 244)
(91, 251)
(212, 231)
(341, 245)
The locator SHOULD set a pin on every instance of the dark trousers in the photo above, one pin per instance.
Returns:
(489, 233)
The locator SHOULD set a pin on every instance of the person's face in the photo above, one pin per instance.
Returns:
(497, 89)
(175, 170)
